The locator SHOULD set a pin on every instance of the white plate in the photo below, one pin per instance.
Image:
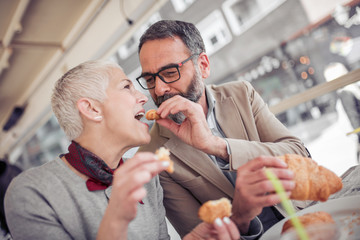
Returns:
(343, 210)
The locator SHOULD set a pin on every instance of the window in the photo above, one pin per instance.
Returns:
(242, 14)
(214, 31)
(181, 5)
(131, 45)
(48, 142)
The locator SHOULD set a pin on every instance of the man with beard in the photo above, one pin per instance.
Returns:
(215, 134)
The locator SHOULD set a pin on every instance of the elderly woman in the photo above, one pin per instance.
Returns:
(90, 192)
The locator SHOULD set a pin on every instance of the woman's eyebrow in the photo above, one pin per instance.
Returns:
(126, 80)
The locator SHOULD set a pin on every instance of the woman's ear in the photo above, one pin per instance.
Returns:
(89, 109)
(204, 65)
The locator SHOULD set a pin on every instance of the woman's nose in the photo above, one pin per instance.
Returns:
(142, 98)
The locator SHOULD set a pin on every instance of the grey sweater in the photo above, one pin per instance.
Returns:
(52, 202)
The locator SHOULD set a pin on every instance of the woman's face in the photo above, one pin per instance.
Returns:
(122, 111)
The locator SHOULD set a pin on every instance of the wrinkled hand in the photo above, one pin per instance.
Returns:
(194, 130)
(223, 229)
(128, 184)
(127, 190)
(253, 190)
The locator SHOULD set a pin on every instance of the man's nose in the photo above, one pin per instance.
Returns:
(160, 87)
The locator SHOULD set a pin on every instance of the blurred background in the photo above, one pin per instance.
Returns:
(302, 56)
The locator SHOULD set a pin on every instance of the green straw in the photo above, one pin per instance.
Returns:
(287, 204)
(354, 131)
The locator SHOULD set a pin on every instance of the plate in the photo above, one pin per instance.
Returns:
(345, 211)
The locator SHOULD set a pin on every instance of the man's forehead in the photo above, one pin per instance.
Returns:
(163, 47)
(156, 54)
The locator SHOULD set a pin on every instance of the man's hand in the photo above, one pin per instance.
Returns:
(194, 130)
(253, 190)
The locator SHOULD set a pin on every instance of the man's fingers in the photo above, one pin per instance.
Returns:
(169, 106)
(179, 104)
(260, 175)
(265, 161)
(169, 124)
(281, 173)
(266, 186)
(269, 199)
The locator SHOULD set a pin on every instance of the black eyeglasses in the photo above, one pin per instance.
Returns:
(168, 74)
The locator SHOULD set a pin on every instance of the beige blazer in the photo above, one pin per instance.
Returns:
(251, 130)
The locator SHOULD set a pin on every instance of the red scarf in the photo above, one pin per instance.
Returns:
(99, 173)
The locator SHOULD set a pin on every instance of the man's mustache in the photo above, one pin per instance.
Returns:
(178, 117)
(163, 98)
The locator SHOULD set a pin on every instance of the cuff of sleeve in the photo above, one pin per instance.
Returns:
(227, 147)
(255, 230)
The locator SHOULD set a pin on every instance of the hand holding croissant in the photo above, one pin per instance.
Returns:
(313, 182)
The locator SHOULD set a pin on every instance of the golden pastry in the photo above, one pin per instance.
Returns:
(309, 219)
(164, 155)
(152, 115)
(312, 182)
(213, 209)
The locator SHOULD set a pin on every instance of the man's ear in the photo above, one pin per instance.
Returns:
(204, 65)
(88, 108)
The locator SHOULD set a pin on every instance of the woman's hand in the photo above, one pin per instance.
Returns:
(223, 229)
(127, 192)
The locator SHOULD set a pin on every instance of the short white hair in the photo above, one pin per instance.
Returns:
(87, 80)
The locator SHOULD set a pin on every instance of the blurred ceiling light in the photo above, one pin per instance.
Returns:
(311, 70)
(304, 75)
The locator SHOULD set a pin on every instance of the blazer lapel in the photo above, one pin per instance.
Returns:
(229, 118)
(198, 161)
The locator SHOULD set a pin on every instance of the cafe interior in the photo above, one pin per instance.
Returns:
(301, 56)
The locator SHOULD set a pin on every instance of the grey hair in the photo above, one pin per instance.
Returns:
(87, 80)
(187, 32)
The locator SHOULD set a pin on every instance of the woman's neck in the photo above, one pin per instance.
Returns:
(109, 152)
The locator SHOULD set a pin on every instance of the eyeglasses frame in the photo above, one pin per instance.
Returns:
(160, 77)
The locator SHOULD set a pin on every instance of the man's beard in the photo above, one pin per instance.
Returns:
(193, 93)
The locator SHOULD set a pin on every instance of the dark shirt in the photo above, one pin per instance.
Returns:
(269, 217)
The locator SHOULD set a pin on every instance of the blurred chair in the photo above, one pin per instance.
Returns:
(7, 173)
(349, 96)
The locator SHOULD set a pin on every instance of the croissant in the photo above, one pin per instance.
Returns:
(152, 115)
(314, 218)
(213, 209)
(312, 182)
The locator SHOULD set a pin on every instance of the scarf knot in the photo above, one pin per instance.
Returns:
(99, 173)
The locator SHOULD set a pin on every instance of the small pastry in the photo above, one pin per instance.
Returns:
(164, 155)
(152, 115)
(213, 209)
